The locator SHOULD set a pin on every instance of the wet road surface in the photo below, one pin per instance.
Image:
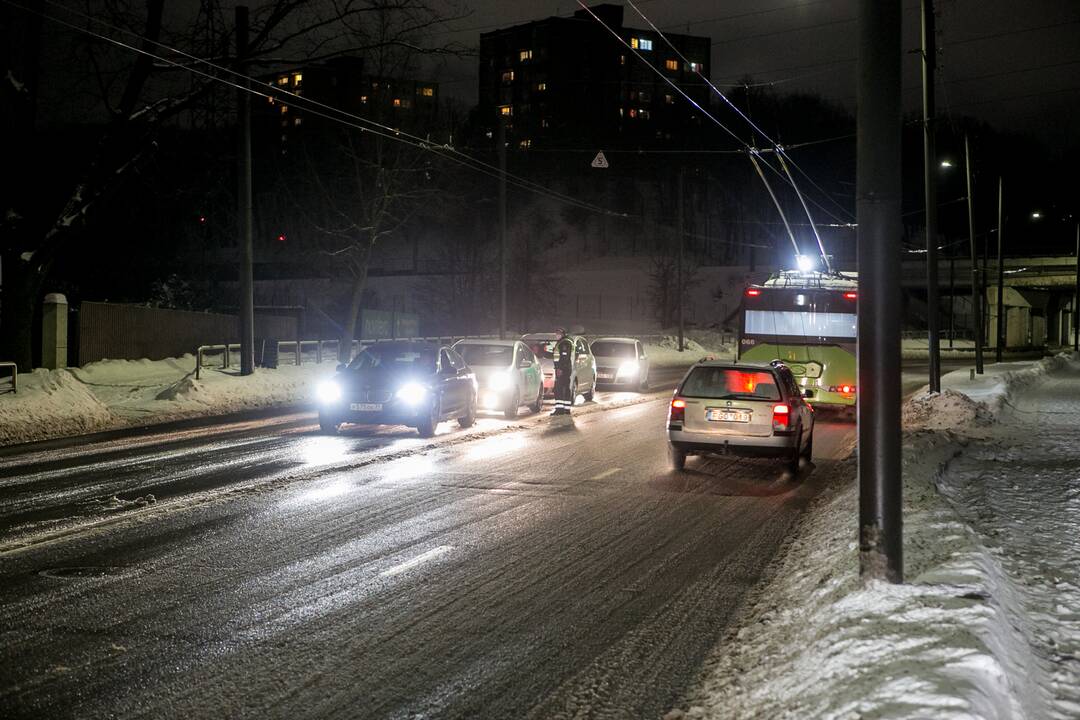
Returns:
(535, 569)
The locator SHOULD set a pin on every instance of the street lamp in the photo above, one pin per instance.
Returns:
(946, 164)
(1036, 215)
(805, 263)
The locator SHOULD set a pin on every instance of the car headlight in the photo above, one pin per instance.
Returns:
(328, 392)
(500, 381)
(412, 393)
(628, 368)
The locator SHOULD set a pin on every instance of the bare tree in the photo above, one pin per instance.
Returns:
(137, 87)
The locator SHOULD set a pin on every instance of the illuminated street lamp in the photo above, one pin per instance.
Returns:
(946, 164)
(805, 263)
(1036, 215)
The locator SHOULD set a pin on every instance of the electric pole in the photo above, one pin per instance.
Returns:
(879, 123)
(502, 225)
(1076, 296)
(930, 175)
(243, 198)
(679, 239)
(976, 306)
(1000, 273)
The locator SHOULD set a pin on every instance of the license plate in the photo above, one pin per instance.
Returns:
(605, 376)
(717, 415)
(366, 407)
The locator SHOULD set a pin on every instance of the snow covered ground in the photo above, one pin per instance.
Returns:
(664, 352)
(988, 624)
(118, 393)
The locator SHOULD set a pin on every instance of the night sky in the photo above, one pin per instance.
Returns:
(1013, 64)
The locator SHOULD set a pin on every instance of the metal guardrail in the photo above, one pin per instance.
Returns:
(14, 375)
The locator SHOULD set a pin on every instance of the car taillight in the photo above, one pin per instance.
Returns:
(781, 417)
(678, 410)
(842, 389)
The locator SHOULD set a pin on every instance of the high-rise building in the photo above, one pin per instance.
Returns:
(566, 81)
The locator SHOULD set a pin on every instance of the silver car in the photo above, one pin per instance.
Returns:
(508, 373)
(621, 362)
(750, 409)
(583, 377)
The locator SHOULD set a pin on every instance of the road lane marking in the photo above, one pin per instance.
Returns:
(606, 473)
(418, 560)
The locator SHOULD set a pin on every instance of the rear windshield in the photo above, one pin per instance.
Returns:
(613, 349)
(730, 384)
(541, 348)
(482, 355)
(390, 357)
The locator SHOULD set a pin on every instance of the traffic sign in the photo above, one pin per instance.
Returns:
(600, 161)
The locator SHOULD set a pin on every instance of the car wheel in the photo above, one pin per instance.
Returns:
(470, 416)
(328, 426)
(511, 409)
(677, 458)
(427, 426)
(538, 405)
(793, 459)
(808, 453)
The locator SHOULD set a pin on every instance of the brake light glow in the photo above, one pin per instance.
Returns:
(850, 295)
(781, 417)
(678, 410)
(846, 389)
(753, 292)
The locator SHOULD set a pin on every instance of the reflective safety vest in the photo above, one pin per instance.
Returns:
(563, 354)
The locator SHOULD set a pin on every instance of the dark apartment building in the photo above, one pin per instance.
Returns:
(566, 82)
(344, 84)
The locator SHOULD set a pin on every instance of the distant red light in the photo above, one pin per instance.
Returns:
(846, 389)
(753, 292)
(202, 219)
(281, 237)
(850, 295)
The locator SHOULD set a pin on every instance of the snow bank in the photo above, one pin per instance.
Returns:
(961, 639)
(118, 393)
(50, 403)
(665, 350)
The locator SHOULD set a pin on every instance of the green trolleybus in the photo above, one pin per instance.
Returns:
(808, 321)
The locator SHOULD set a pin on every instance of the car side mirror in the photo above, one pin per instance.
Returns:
(341, 367)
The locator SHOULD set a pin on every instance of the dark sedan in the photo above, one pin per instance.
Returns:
(405, 382)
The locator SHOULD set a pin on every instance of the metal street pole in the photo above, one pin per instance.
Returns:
(879, 229)
(502, 225)
(1000, 273)
(679, 239)
(243, 199)
(952, 299)
(930, 174)
(1076, 296)
(976, 306)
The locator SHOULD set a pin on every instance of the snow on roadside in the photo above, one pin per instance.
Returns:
(665, 351)
(959, 640)
(119, 393)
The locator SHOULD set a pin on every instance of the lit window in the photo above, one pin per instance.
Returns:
(671, 64)
(642, 43)
(643, 113)
(298, 121)
(506, 110)
(544, 122)
(695, 67)
(525, 55)
(622, 59)
(284, 80)
(525, 144)
(620, 112)
(297, 78)
(270, 100)
(669, 99)
(633, 112)
(363, 99)
(427, 91)
(508, 76)
(397, 102)
(284, 109)
(634, 43)
(541, 86)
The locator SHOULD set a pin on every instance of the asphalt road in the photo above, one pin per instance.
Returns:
(530, 569)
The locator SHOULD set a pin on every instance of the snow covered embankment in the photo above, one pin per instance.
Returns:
(967, 636)
(664, 352)
(121, 393)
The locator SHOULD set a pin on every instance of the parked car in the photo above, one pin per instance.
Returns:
(508, 373)
(405, 382)
(740, 408)
(621, 362)
(583, 379)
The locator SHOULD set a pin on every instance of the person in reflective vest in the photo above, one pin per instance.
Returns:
(563, 356)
